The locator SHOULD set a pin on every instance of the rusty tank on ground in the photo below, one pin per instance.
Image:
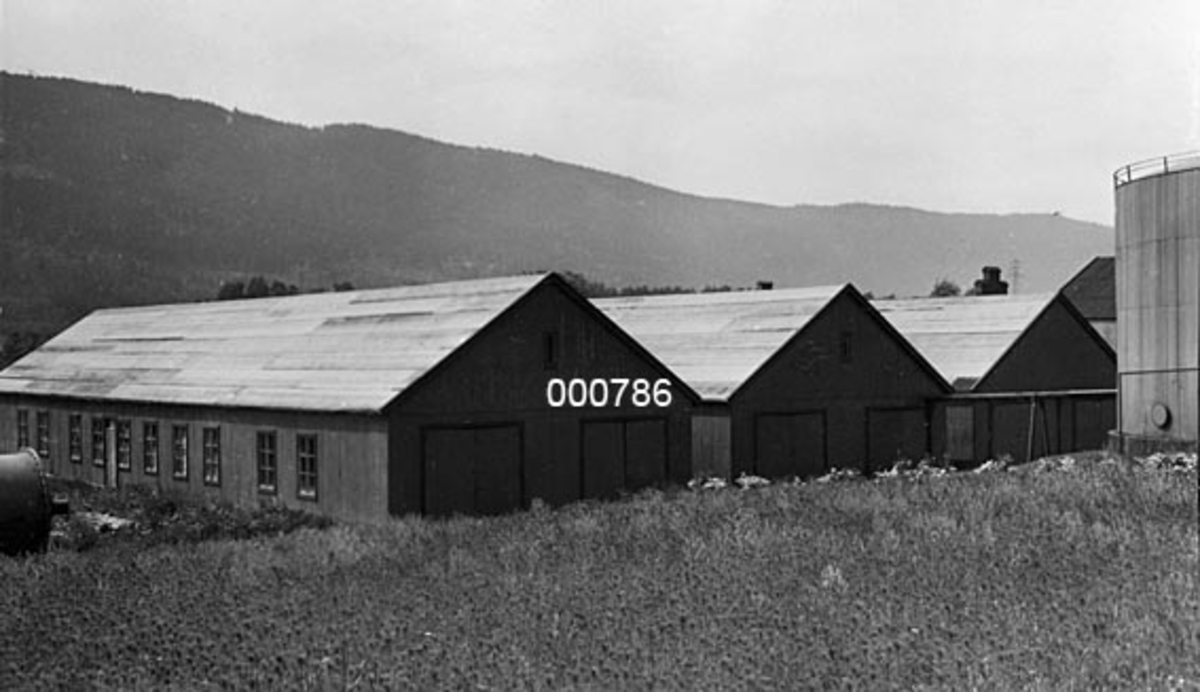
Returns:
(26, 505)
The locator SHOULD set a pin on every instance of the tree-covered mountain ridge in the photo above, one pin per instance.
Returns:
(110, 196)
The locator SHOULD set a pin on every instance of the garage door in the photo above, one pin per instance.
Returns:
(894, 434)
(623, 455)
(474, 470)
(790, 444)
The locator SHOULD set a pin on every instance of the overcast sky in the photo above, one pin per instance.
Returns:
(949, 105)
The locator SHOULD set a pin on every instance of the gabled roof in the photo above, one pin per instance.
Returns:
(715, 342)
(1093, 290)
(964, 337)
(351, 351)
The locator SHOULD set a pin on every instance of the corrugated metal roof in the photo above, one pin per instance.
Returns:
(715, 341)
(963, 338)
(346, 351)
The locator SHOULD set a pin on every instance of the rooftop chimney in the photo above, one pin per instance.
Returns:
(990, 284)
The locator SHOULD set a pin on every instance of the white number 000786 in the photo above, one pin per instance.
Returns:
(600, 392)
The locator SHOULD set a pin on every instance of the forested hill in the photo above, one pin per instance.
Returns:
(112, 197)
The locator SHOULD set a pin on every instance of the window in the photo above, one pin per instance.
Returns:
(124, 445)
(22, 428)
(550, 350)
(306, 466)
(99, 442)
(179, 451)
(150, 448)
(43, 434)
(847, 347)
(268, 462)
(75, 438)
(212, 456)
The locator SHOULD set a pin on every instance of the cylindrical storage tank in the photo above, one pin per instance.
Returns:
(25, 504)
(1158, 304)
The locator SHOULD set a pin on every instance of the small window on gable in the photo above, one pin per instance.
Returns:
(846, 347)
(550, 350)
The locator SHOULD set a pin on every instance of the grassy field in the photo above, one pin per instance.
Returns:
(1083, 578)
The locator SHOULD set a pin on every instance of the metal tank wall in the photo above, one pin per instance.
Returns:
(1158, 304)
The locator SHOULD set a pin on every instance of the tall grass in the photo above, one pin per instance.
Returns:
(1083, 579)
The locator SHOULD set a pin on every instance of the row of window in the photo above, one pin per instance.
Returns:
(267, 446)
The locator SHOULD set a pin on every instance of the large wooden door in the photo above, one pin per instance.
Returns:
(623, 455)
(895, 434)
(497, 470)
(645, 453)
(790, 444)
(474, 470)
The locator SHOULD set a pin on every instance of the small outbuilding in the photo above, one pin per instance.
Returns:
(1031, 376)
(471, 397)
(793, 382)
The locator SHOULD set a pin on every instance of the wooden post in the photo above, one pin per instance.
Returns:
(1032, 419)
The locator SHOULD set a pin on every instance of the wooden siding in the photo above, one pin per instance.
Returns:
(1001, 424)
(711, 450)
(352, 451)
(1158, 303)
(845, 361)
(500, 377)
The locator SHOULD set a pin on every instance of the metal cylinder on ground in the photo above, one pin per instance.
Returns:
(26, 506)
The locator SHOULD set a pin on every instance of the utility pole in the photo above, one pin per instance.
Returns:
(1014, 274)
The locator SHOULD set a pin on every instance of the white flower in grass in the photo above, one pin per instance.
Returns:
(831, 578)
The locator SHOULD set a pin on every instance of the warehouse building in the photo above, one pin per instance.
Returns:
(793, 382)
(1031, 376)
(467, 397)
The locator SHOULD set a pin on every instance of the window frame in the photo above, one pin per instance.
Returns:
(22, 428)
(180, 451)
(267, 461)
(75, 438)
(307, 479)
(99, 441)
(42, 434)
(210, 455)
(151, 451)
(124, 439)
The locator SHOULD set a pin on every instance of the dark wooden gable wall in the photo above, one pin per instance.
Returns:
(847, 388)
(1058, 351)
(486, 406)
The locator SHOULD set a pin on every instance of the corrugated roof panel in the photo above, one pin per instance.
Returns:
(717, 341)
(964, 337)
(347, 351)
